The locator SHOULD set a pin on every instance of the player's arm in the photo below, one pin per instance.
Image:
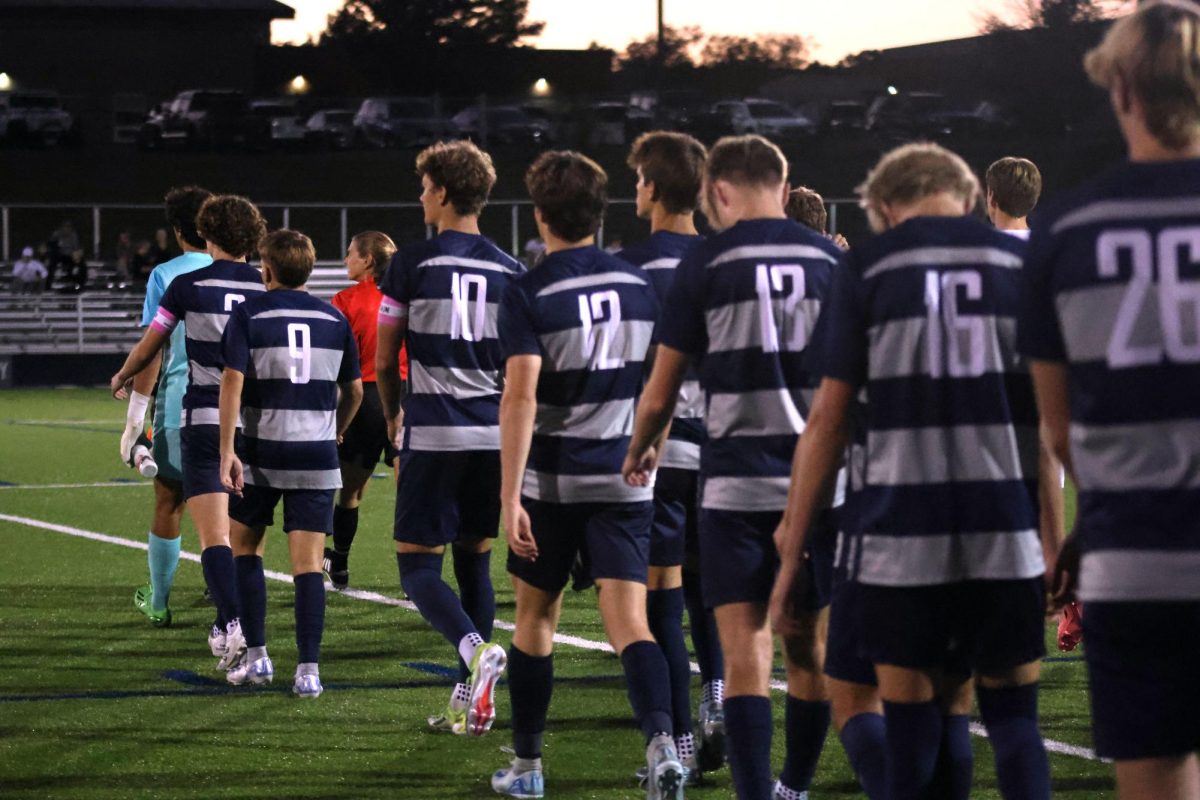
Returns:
(139, 401)
(1054, 410)
(392, 328)
(814, 465)
(653, 419)
(230, 408)
(518, 407)
(140, 357)
(349, 399)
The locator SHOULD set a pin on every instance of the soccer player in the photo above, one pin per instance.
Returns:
(744, 302)
(291, 373)
(169, 368)
(203, 299)
(1013, 188)
(366, 439)
(1110, 324)
(807, 207)
(575, 331)
(943, 522)
(670, 168)
(442, 296)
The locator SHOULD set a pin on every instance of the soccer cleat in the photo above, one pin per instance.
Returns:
(258, 672)
(1070, 627)
(141, 601)
(216, 641)
(665, 775)
(336, 570)
(235, 645)
(781, 792)
(691, 774)
(712, 735)
(522, 783)
(307, 686)
(451, 720)
(486, 668)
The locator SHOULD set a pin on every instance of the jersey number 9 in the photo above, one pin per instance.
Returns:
(300, 350)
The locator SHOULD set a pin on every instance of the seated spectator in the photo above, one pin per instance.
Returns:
(142, 263)
(29, 274)
(161, 249)
(124, 254)
(77, 271)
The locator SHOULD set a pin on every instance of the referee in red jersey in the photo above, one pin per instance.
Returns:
(366, 441)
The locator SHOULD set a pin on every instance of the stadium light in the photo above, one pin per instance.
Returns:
(299, 85)
(6, 82)
(541, 87)
(893, 91)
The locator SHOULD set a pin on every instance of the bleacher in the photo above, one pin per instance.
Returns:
(103, 319)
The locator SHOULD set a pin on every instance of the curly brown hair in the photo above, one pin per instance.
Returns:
(463, 170)
(182, 204)
(807, 207)
(232, 223)
(570, 190)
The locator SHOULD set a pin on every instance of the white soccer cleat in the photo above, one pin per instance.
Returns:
(235, 645)
(258, 672)
(216, 641)
(666, 776)
(486, 668)
(517, 781)
(307, 686)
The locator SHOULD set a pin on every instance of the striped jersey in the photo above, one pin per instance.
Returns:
(449, 289)
(1113, 292)
(590, 317)
(294, 351)
(173, 375)
(744, 302)
(203, 299)
(659, 256)
(360, 305)
(943, 471)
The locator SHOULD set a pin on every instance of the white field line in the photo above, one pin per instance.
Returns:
(114, 421)
(100, 485)
(977, 729)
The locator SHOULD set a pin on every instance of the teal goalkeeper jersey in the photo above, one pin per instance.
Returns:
(173, 377)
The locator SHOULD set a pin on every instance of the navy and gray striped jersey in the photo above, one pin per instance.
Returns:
(590, 317)
(294, 351)
(1113, 292)
(203, 299)
(659, 256)
(943, 472)
(449, 288)
(744, 302)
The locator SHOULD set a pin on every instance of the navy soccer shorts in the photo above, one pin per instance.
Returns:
(738, 560)
(303, 509)
(1141, 660)
(614, 539)
(366, 441)
(844, 652)
(970, 626)
(675, 511)
(445, 497)
(201, 460)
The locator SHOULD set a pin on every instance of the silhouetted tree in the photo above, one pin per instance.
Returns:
(431, 23)
(778, 51)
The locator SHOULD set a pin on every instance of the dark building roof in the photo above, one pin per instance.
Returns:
(273, 8)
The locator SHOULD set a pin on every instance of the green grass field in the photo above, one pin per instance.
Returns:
(95, 703)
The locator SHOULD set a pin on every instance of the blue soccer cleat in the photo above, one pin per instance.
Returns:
(520, 782)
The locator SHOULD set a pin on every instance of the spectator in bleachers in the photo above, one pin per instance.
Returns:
(29, 274)
(62, 243)
(161, 248)
(142, 263)
(77, 271)
(124, 256)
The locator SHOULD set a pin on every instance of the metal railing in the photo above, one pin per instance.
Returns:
(505, 221)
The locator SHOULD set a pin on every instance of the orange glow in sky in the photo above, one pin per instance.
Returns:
(839, 27)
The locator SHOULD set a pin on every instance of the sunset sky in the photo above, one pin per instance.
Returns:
(840, 27)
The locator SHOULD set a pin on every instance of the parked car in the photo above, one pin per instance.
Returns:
(285, 119)
(500, 125)
(36, 118)
(846, 116)
(607, 123)
(205, 118)
(330, 128)
(397, 122)
(904, 114)
(764, 117)
(129, 112)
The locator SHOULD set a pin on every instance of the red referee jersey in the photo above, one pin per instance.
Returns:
(360, 304)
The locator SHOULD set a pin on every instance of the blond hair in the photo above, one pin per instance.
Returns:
(376, 245)
(1156, 54)
(915, 171)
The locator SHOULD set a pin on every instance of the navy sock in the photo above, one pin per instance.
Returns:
(914, 737)
(530, 683)
(664, 611)
(1011, 718)
(952, 780)
(649, 685)
(221, 577)
(310, 615)
(748, 740)
(865, 739)
(806, 724)
(704, 631)
(345, 525)
(421, 579)
(473, 573)
(252, 588)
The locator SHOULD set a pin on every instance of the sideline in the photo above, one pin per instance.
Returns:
(1052, 745)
